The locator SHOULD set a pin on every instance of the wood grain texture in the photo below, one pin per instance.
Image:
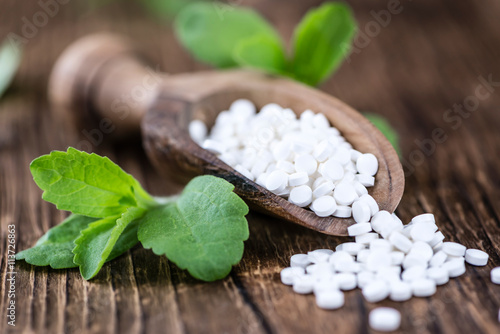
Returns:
(427, 59)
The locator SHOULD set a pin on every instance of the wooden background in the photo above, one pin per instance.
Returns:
(426, 60)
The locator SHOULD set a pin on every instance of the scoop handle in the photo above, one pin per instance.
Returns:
(100, 78)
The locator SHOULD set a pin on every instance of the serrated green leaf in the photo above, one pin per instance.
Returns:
(54, 247)
(211, 31)
(387, 130)
(95, 244)
(87, 184)
(320, 42)
(202, 232)
(260, 52)
(10, 58)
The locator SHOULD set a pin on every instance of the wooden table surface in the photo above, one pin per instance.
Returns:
(432, 56)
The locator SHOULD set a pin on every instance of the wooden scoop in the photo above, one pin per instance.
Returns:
(100, 77)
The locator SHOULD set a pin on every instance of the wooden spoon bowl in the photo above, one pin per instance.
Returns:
(98, 72)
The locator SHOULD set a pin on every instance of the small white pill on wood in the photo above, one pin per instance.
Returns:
(299, 260)
(384, 319)
(376, 291)
(424, 218)
(330, 300)
(298, 179)
(367, 164)
(366, 238)
(495, 275)
(423, 287)
(400, 291)
(438, 275)
(365, 180)
(342, 211)
(301, 196)
(277, 180)
(288, 275)
(413, 273)
(422, 232)
(198, 130)
(454, 267)
(438, 259)
(306, 163)
(332, 170)
(361, 212)
(324, 206)
(476, 257)
(371, 202)
(454, 249)
(400, 242)
(323, 189)
(344, 193)
(304, 284)
(346, 281)
(359, 228)
(352, 248)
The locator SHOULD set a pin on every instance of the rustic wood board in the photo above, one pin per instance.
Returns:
(428, 58)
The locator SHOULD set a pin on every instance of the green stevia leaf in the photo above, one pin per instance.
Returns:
(260, 52)
(97, 242)
(10, 58)
(387, 130)
(54, 247)
(202, 232)
(321, 42)
(211, 30)
(87, 184)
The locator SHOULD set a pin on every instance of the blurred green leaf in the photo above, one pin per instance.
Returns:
(387, 130)
(320, 42)
(211, 31)
(261, 52)
(10, 58)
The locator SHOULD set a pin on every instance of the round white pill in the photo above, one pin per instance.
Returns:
(213, 146)
(376, 291)
(322, 151)
(380, 245)
(245, 172)
(400, 291)
(438, 259)
(344, 193)
(198, 130)
(359, 228)
(454, 249)
(324, 206)
(454, 267)
(422, 249)
(365, 180)
(412, 260)
(346, 281)
(319, 255)
(282, 150)
(378, 259)
(423, 287)
(413, 273)
(348, 267)
(340, 256)
(330, 300)
(304, 284)
(401, 242)
(301, 196)
(438, 237)
(476, 257)
(380, 219)
(352, 248)
(288, 275)
(424, 218)
(242, 108)
(371, 202)
(384, 319)
(366, 238)
(306, 163)
(367, 164)
(422, 232)
(495, 275)
(360, 189)
(438, 275)
(276, 180)
(285, 166)
(298, 179)
(332, 170)
(323, 189)
(343, 211)
(397, 258)
(364, 278)
(361, 212)
(299, 260)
